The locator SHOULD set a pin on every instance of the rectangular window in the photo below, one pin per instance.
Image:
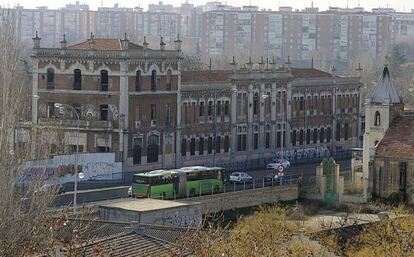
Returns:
(241, 142)
(167, 114)
(227, 108)
(218, 144)
(209, 145)
(255, 141)
(321, 135)
(226, 144)
(104, 112)
(184, 147)
(50, 109)
(136, 151)
(301, 137)
(153, 113)
(338, 132)
(201, 146)
(192, 146)
(218, 108)
(328, 134)
(294, 137)
(308, 132)
(278, 139)
(315, 135)
(267, 140)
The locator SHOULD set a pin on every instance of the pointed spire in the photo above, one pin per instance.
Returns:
(36, 40)
(385, 91)
(63, 42)
(162, 44)
(178, 43)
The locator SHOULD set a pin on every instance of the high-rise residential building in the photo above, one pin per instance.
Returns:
(338, 36)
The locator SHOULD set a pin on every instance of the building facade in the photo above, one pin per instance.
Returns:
(138, 103)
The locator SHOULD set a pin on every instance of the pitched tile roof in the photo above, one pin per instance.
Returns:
(205, 76)
(131, 244)
(309, 73)
(103, 238)
(385, 91)
(398, 141)
(104, 44)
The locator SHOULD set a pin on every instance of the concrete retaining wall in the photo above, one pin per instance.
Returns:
(92, 195)
(242, 199)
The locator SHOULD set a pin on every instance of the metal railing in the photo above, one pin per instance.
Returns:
(230, 187)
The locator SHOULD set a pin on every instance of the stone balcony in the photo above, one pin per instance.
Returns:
(83, 124)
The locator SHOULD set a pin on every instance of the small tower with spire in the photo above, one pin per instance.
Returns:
(382, 107)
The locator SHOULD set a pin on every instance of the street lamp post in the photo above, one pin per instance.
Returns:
(75, 190)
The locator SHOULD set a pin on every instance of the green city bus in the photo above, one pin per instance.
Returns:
(175, 183)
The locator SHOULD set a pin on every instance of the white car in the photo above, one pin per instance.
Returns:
(239, 177)
(277, 163)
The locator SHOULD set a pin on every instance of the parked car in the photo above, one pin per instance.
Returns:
(276, 163)
(240, 177)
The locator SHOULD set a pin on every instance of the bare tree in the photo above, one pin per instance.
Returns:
(23, 206)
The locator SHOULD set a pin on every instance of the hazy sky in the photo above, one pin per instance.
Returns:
(400, 5)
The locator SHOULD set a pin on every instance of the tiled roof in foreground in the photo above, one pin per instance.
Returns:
(398, 142)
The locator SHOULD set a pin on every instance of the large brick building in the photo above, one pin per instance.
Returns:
(138, 103)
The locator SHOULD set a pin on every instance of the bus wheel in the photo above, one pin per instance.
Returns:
(216, 189)
(192, 192)
(163, 196)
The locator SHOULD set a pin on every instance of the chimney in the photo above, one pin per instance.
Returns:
(162, 44)
(178, 43)
(125, 42)
(63, 42)
(36, 41)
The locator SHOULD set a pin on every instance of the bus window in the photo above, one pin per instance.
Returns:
(201, 175)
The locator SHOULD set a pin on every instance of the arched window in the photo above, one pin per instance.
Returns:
(138, 81)
(104, 80)
(153, 80)
(77, 79)
(168, 80)
(50, 83)
(152, 149)
(377, 121)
